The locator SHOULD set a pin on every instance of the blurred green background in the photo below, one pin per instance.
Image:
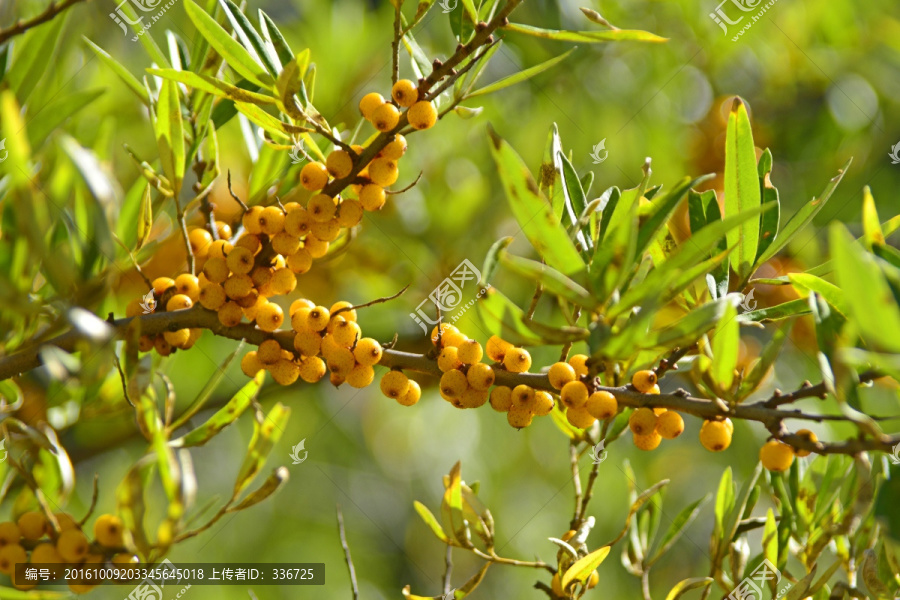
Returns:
(821, 80)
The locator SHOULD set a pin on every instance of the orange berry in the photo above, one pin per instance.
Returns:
(284, 371)
(412, 395)
(523, 396)
(469, 352)
(367, 352)
(602, 405)
(422, 115)
(360, 376)
(200, 241)
(216, 270)
(369, 104)
(239, 261)
(776, 456)
(395, 149)
(296, 222)
(670, 425)
(472, 398)
(574, 394)
(109, 531)
(270, 317)
(501, 398)
(250, 364)
(32, 525)
(809, 436)
(339, 163)
(321, 208)
(715, 435)
(372, 197)
(385, 117)
(250, 220)
(272, 220)
(285, 244)
(560, 374)
(394, 384)
(9, 533)
(497, 348)
(178, 338)
(642, 421)
(312, 369)
(10, 556)
(300, 261)
(314, 176)
(643, 381)
(647, 442)
(230, 314)
(212, 296)
(161, 284)
(454, 383)
(517, 360)
(350, 213)
(238, 286)
(579, 363)
(543, 403)
(405, 93)
(384, 171)
(480, 376)
(579, 417)
(317, 248)
(72, 545)
(179, 302)
(188, 285)
(519, 417)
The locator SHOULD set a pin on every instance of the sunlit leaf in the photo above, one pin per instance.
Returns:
(521, 76)
(742, 191)
(589, 37)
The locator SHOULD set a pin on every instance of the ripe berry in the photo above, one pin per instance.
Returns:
(220, 249)
(10, 555)
(346, 333)
(443, 329)
(472, 398)
(65, 521)
(32, 525)
(72, 545)
(574, 394)
(161, 284)
(412, 396)
(350, 213)
(270, 317)
(216, 270)
(523, 396)
(179, 302)
(300, 317)
(321, 208)
(647, 442)
(9, 533)
(230, 314)
(579, 363)
(316, 247)
(272, 220)
(776, 456)
(307, 343)
(383, 171)
(269, 352)
(178, 338)
(200, 240)
(469, 352)
(283, 282)
(188, 285)
(163, 348)
(212, 296)
(314, 176)
(300, 303)
(145, 343)
(643, 381)
(405, 93)
(327, 231)
(501, 398)
(480, 376)
(371, 197)
(296, 222)
(349, 314)
(422, 115)
(560, 374)
(395, 148)
(109, 531)
(642, 421)
(360, 376)
(312, 369)
(715, 435)
(318, 318)
(670, 425)
(251, 309)
(394, 384)
(543, 403)
(329, 346)
(385, 117)
(250, 220)
(240, 261)
(284, 371)
(454, 383)
(300, 261)
(238, 286)
(250, 364)
(654, 390)
(369, 104)
(497, 348)
(517, 360)
(285, 244)
(367, 352)
(519, 417)
(45, 554)
(809, 436)
(602, 405)
(579, 417)
(223, 229)
(339, 163)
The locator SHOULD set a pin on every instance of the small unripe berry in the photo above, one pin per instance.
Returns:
(72, 545)
(109, 531)
(240, 261)
(643, 381)
(369, 104)
(312, 369)
(670, 425)
(272, 220)
(179, 302)
(383, 171)
(339, 164)
(579, 363)
(313, 176)
(480, 376)
(560, 374)
(32, 525)
(296, 222)
(395, 149)
(385, 117)
(250, 364)
(405, 93)
(321, 208)
(517, 360)
(579, 417)
(285, 244)
(412, 395)
(372, 197)
(350, 213)
(422, 115)
(454, 383)
(501, 398)
(715, 435)
(776, 456)
(161, 284)
(642, 421)
(519, 417)
(574, 394)
(469, 352)
(285, 372)
(318, 318)
(367, 352)
(360, 376)
(523, 396)
(230, 314)
(394, 384)
(497, 348)
(809, 436)
(200, 240)
(212, 296)
(647, 442)
(602, 405)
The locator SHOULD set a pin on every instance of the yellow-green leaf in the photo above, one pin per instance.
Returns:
(431, 521)
(687, 585)
(590, 37)
(224, 417)
(582, 568)
(265, 435)
(521, 76)
(741, 189)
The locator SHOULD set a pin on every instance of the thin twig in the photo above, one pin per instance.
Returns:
(94, 497)
(407, 188)
(353, 585)
(576, 481)
(567, 347)
(444, 86)
(377, 301)
(395, 45)
(538, 292)
(235, 196)
(448, 569)
(20, 27)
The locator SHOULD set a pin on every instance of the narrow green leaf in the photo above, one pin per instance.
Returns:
(223, 417)
(272, 484)
(55, 113)
(741, 188)
(724, 500)
(791, 308)
(285, 54)
(770, 538)
(265, 436)
(552, 280)
(726, 341)
(582, 568)
(805, 283)
(689, 328)
(130, 81)
(170, 134)
(214, 86)
(769, 220)
(589, 37)
(521, 76)
(33, 56)
(452, 509)
(248, 36)
(431, 521)
(872, 233)
(687, 585)
(678, 526)
(145, 222)
(575, 200)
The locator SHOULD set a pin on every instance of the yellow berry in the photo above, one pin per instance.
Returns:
(321, 208)
(519, 417)
(395, 149)
(394, 384)
(339, 163)
(579, 363)
(188, 285)
(109, 531)
(270, 316)
(9, 533)
(318, 318)
(285, 243)
(602, 405)
(501, 398)
(383, 171)
(341, 305)
(543, 403)
(371, 197)
(178, 338)
(239, 261)
(346, 333)
(179, 302)
(360, 376)
(65, 521)
(422, 115)
(250, 241)
(370, 103)
(269, 352)
(313, 176)
(300, 261)
(340, 361)
(284, 371)
(367, 352)
(163, 348)
(480, 376)
(405, 93)
(350, 213)
(412, 395)
(32, 525)
(216, 270)
(200, 241)
(517, 360)
(161, 284)
(296, 222)
(642, 421)
(453, 337)
(472, 398)
(454, 383)
(443, 328)
(250, 364)
(649, 441)
(776, 456)
(560, 374)
(312, 369)
(283, 281)
(10, 556)
(220, 249)
(238, 286)
(307, 342)
(643, 381)
(45, 554)
(469, 352)
(327, 231)
(212, 296)
(250, 220)
(579, 417)
(230, 314)
(272, 220)
(223, 229)
(385, 117)
(715, 435)
(497, 348)
(808, 436)
(574, 394)
(523, 396)
(72, 545)
(670, 425)
(300, 303)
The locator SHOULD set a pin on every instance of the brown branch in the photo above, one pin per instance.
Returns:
(244, 207)
(354, 587)
(395, 45)
(807, 390)
(20, 27)
(372, 302)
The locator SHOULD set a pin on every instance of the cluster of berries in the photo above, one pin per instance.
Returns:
(175, 294)
(31, 539)
(323, 338)
(778, 456)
